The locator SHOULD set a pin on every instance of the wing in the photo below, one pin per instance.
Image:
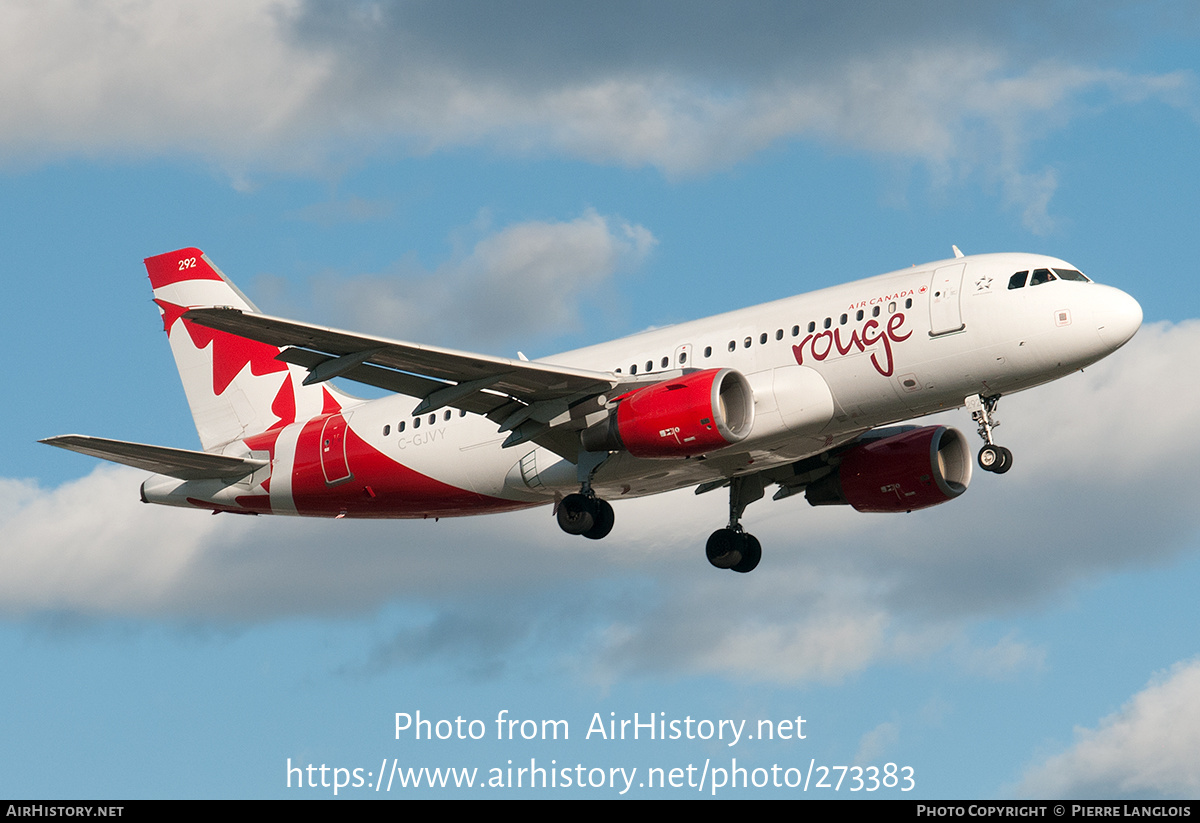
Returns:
(545, 403)
(181, 463)
(796, 477)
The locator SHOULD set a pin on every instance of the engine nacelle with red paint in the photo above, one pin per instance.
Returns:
(912, 470)
(682, 417)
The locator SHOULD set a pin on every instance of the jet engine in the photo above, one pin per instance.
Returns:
(912, 470)
(681, 417)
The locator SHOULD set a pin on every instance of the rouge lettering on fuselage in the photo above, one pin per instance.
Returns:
(822, 344)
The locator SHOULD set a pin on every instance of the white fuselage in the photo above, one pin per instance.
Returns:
(824, 367)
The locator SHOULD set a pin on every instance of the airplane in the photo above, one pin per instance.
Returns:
(802, 393)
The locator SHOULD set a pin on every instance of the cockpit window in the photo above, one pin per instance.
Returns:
(1072, 274)
(1041, 276)
(1017, 280)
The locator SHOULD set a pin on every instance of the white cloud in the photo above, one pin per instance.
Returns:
(292, 84)
(140, 75)
(523, 281)
(90, 546)
(1147, 749)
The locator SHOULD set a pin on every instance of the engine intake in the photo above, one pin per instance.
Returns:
(912, 470)
(682, 417)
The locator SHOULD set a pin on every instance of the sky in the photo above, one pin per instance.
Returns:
(538, 176)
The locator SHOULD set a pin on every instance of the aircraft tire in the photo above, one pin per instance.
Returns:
(751, 554)
(724, 548)
(1006, 461)
(990, 458)
(577, 514)
(604, 520)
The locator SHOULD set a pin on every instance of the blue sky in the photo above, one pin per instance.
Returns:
(539, 176)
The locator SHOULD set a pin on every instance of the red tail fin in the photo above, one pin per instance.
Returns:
(235, 387)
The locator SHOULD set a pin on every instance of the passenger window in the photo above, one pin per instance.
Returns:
(795, 331)
(828, 322)
(649, 365)
(682, 357)
(633, 369)
(708, 351)
(779, 334)
(1017, 280)
(908, 303)
(416, 422)
(432, 419)
(812, 326)
(892, 307)
(732, 345)
(842, 320)
(447, 416)
(666, 361)
(387, 430)
(400, 426)
(748, 342)
(875, 312)
(859, 315)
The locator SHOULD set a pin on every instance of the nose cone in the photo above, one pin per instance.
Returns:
(1118, 317)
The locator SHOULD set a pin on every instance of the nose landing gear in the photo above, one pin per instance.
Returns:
(995, 459)
(992, 458)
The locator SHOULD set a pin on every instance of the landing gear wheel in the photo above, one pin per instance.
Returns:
(751, 554)
(995, 459)
(577, 514)
(989, 458)
(724, 548)
(589, 516)
(604, 519)
(1006, 461)
(732, 549)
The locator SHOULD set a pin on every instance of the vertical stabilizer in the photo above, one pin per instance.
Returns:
(235, 387)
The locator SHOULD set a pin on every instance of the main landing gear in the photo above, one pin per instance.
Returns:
(730, 547)
(585, 513)
(992, 458)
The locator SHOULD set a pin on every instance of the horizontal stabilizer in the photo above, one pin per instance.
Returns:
(181, 463)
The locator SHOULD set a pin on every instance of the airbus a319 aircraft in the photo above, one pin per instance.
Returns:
(802, 394)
